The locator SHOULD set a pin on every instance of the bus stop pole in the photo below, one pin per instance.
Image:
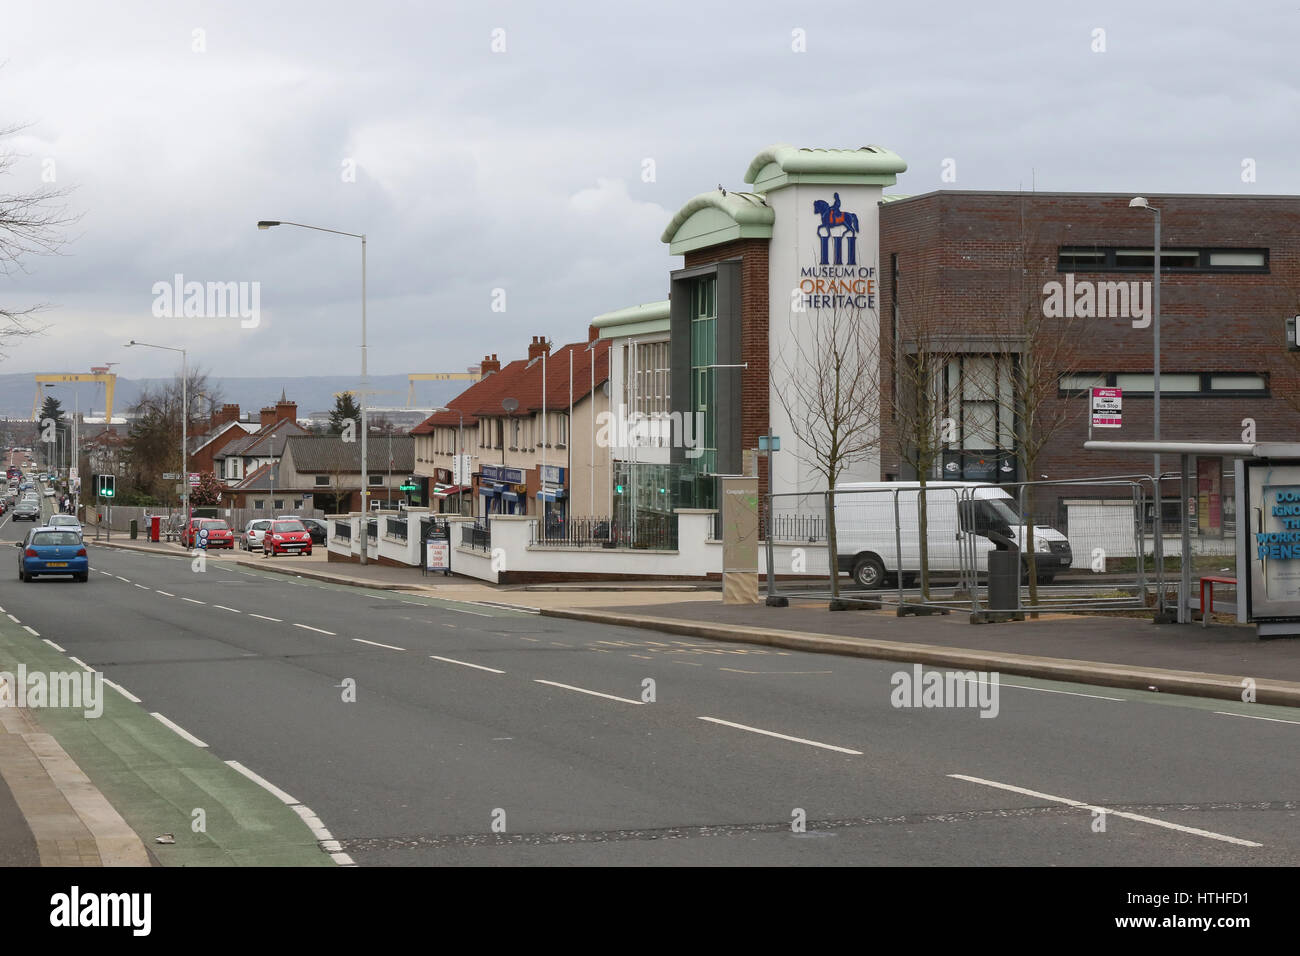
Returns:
(1185, 586)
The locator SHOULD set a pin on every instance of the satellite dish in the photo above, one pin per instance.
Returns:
(510, 404)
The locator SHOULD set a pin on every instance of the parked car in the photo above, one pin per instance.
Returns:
(286, 537)
(218, 535)
(27, 511)
(53, 551)
(253, 532)
(318, 530)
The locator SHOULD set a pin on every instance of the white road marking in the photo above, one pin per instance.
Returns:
(362, 640)
(342, 859)
(1124, 814)
(12, 618)
(179, 730)
(222, 607)
(141, 587)
(461, 610)
(262, 782)
(797, 740)
(308, 627)
(480, 667)
(28, 629)
(1276, 720)
(265, 618)
(123, 691)
(313, 822)
(593, 693)
(1045, 690)
(120, 578)
(165, 593)
(82, 664)
(521, 608)
(53, 645)
(193, 601)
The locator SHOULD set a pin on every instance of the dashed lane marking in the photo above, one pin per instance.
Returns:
(1276, 720)
(362, 640)
(178, 729)
(53, 645)
(265, 618)
(222, 607)
(193, 601)
(770, 733)
(123, 691)
(478, 667)
(593, 693)
(308, 627)
(28, 629)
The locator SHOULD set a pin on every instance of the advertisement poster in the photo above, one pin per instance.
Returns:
(1272, 540)
(1209, 488)
(439, 555)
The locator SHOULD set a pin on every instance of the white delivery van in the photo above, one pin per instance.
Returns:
(870, 550)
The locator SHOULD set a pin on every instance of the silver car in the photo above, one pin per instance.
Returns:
(254, 531)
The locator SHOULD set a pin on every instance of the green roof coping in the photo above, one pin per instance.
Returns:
(748, 214)
(782, 165)
(649, 312)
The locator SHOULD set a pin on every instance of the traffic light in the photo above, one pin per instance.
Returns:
(619, 489)
(105, 485)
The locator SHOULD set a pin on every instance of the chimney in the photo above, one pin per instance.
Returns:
(225, 415)
(286, 409)
(268, 416)
(538, 347)
(490, 364)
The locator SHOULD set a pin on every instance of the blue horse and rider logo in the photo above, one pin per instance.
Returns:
(832, 244)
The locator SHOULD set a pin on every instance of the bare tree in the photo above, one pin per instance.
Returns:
(828, 385)
(1038, 351)
(31, 224)
(923, 350)
(153, 445)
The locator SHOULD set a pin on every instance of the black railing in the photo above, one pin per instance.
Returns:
(372, 529)
(343, 529)
(395, 528)
(476, 536)
(786, 526)
(656, 532)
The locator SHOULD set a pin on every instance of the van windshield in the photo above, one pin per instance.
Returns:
(989, 514)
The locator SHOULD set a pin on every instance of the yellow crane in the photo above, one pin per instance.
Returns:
(99, 374)
(473, 375)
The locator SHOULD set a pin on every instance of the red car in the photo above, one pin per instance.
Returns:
(286, 537)
(218, 535)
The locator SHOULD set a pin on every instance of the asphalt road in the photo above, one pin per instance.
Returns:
(468, 717)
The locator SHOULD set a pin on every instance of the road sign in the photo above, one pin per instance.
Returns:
(194, 479)
(1106, 404)
(171, 476)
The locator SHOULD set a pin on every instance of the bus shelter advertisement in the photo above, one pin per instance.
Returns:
(1271, 540)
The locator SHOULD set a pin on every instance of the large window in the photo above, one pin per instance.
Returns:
(646, 370)
(1138, 259)
(1172, 384)
(704, 358)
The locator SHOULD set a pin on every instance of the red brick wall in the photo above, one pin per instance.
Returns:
(753, 336)
(967, 244)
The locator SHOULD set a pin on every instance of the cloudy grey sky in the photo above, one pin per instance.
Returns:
(522, 168)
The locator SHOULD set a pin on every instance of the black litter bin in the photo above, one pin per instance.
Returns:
(135, 529)
(1004, 572)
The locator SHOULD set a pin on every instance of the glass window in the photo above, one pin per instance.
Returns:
(322, 481)
(1238, 383)
(1071, 383)
(1248, 258)
(1169, 382)
(375, 479)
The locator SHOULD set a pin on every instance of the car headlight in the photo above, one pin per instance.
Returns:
(276, 537)
(1040, 544)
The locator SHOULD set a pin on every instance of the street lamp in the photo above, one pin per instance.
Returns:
(365, 484)
(185, 418)
(1140, 202)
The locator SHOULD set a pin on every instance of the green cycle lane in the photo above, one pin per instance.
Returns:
(158, 781)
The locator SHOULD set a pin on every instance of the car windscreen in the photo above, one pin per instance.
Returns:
(282, 526)
(215, 525)
(51, 539)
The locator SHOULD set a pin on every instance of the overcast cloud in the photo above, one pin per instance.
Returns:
(522, 169)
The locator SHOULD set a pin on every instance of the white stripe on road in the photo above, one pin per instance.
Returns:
(313, 822)
(308, 627)
(1045, 690)
(165, 593)
(53, 645)
(78, 661)
(193, 601)
(362, 640)
(120, 578)
(12, 618)
(262, 782)
(182, 732)
(797, 740)
(522, 609)
(265, 618)
(593, 693)
(222, 607)
(123, 691)
(1124, 814)
(141, 587)
(28, 629)
(461, 610)
(479, 667)
(1276, 720)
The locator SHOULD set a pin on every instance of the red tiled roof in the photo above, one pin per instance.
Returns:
(522, 381)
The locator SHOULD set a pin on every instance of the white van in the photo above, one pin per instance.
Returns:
(867, 543)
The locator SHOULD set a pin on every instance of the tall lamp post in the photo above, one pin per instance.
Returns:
(185, 418)
(365, 483)
(1140, 202)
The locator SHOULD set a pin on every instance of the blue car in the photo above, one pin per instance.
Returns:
(53, 551)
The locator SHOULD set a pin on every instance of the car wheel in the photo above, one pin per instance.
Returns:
(869, 573)
(83, 578)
